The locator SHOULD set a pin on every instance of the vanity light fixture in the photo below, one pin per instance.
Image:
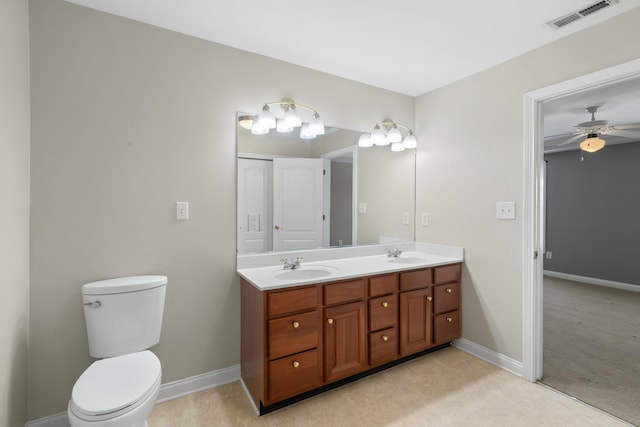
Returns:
(388, 132)
(267, 120)
(245, 121)
(592, 144)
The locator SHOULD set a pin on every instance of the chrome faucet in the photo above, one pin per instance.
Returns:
(394, 253)
(291, 264)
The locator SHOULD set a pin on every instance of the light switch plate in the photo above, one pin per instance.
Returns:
(182, 210)
(405, 218)
(506, 210)
(362, 208)
(424, 219)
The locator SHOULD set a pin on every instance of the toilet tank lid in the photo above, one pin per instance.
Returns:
(123, 284)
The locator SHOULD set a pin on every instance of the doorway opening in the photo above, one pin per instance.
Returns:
(534, 238)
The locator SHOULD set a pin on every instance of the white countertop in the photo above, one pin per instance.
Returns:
(266, 277)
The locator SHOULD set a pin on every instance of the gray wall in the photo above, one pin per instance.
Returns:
(593, 209)
(341, 203)
(127, 119)
(470, 156)
(14, 215)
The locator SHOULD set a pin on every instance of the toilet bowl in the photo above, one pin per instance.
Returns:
(119, 391)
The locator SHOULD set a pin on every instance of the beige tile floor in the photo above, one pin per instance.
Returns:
(445, 388)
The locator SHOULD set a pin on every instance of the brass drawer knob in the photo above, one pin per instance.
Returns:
(295, 325)
(449, 290)
(429, 298)
(330, 321)
(385, 304)
(296, 364)
(385, 338)
(449, 319)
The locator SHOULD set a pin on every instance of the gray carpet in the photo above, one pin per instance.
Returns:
(592, 345)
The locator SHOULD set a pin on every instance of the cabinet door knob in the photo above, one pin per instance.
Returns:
(295, 325)
(277, 227)
(296, 364)
(385, 338)
(429, 298)
(330, 321)
(449, 319)
(449, 290)
(385, 304)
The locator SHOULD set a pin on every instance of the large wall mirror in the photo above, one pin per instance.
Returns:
(324, 192)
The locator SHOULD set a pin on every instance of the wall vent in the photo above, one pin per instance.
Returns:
(579, 14)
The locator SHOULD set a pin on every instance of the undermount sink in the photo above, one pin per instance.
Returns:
(407, 260)
(305, 273)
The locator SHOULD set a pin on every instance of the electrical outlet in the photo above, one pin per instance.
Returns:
(405, 218)
(506, 210)
(548, 255)
(362, 208)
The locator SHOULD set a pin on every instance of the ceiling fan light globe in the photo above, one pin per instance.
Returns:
(592, 144)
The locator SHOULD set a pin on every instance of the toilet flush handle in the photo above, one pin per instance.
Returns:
(95, 304)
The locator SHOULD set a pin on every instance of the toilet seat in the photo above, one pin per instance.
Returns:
(114, 386)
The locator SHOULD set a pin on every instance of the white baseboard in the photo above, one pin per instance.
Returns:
(500, 360)
(168, 391)
(593, 281)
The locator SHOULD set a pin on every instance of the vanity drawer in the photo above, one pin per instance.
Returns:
(383, 285)
(294, 374)
(415, 279)
(383, 312)
(383, 346)
(282, 302)
(446, 297)
(447, 327)
(293, 334)
(447, 273)
(344, 292)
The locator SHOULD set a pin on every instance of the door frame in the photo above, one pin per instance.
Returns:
(353, 150)
(533, 221)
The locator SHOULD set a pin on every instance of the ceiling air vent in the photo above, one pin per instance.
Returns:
(579, 14)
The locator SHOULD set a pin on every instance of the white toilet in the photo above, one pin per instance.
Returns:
(124, 318)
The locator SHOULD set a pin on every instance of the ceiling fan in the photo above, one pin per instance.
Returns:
(593, 129)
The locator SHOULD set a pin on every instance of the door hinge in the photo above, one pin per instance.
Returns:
(324, 171)
(323, 217)
(535, 254)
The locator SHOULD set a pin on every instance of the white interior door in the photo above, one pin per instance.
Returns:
(297, 203)
(255, 180)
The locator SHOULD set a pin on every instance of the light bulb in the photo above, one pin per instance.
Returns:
(256, 129)
(316, 126)
(292, 117)
(266, 118)
(365, 141)
(282, 126)
(592, 143)
(378, 137)
(410, 141)
(305, 132)
(397, 146)
(394, 135)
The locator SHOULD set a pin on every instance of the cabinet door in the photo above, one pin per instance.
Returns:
(416, 312)
(344, 340)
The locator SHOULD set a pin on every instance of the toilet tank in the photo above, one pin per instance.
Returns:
(123, 315)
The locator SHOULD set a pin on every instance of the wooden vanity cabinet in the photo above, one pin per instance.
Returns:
(344, 330)
(298, 339)
(416, 311)
(447, 322)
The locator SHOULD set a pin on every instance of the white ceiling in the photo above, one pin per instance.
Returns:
(407, 46)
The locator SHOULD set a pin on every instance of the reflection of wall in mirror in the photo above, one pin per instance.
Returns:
(386, 183)
(341, 202)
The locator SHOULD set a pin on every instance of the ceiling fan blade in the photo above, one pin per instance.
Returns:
(570, 140)
(626, 126)
(624, 133)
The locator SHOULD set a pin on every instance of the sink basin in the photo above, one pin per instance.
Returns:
(306, 273)
(407, 260)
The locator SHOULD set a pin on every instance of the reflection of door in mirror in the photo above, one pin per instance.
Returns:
(255, 187)
(299, 202)
(283, 204)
